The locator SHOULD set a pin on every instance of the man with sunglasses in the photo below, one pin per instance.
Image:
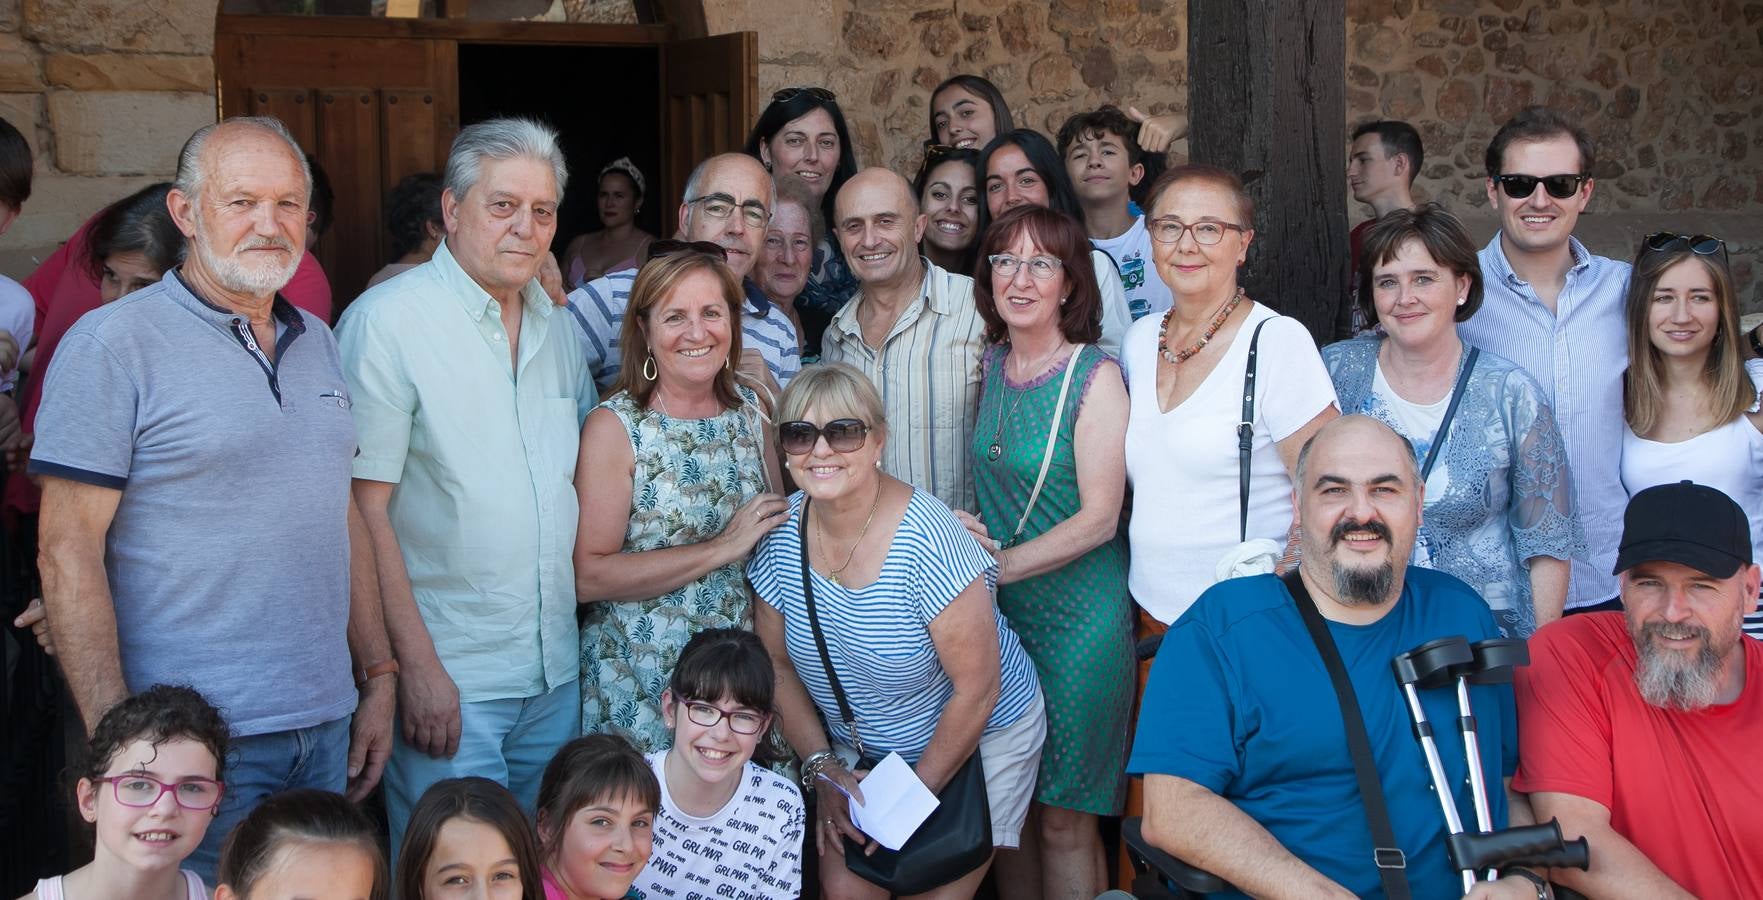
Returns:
(1556, 310)
(914, 329)
(728, 203)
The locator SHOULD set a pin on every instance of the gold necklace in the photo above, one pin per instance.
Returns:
(833, 576)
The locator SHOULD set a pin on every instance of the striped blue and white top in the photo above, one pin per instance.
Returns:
(879, 636)
(597, 309)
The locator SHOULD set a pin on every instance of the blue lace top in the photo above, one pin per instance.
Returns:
(1499, 493)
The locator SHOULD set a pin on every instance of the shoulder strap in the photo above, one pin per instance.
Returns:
(1438, 440)
(1246, 433)
(826, 660)
(1385, 853)
(1052, 442)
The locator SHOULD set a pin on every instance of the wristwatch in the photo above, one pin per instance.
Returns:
(1544, 891)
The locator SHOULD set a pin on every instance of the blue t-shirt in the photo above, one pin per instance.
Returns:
(1240, 702)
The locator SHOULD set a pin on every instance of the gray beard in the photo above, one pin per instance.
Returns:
(1670, 679)
(1363, 587)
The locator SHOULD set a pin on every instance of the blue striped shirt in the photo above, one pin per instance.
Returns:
(597, 309)
(879, 636)
(1577, 354)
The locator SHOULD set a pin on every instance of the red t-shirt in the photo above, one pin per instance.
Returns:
(64, 290)
(1683, 787)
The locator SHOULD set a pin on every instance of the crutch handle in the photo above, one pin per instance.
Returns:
(1495, 658)
(1434, 663)
(1530, 845)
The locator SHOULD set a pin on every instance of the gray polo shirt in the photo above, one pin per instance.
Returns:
(228, 557)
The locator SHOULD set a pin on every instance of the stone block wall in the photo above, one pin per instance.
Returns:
(105, 91)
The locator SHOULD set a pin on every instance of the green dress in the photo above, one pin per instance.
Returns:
(1074, 622)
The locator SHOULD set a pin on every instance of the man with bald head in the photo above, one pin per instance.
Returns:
(913, 328)
(728, 202)
(1240, 737)
(194, 444)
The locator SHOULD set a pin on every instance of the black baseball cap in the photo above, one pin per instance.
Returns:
(1688, 523)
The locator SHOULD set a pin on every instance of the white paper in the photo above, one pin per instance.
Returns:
(897, 802)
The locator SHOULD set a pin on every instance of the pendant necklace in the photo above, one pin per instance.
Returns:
(833, 576)
(1176, 359)
(996, 450)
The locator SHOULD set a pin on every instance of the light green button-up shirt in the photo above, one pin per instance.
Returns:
(483, 455)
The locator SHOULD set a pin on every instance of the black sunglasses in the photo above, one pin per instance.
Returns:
(791, 93)
(843, 435)
(1560, 187)
(1699, 244)
(669, 246)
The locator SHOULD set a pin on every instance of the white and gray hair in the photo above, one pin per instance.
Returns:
(190, 175)
(498, 139)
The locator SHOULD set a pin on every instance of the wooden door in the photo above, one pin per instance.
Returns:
(370, 110)
(710, 89)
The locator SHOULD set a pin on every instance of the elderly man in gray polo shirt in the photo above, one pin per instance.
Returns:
(195, 445)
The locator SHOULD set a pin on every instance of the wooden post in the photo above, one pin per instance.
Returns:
(1267, 100)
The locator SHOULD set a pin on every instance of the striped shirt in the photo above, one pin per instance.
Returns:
(878, 637)
(1577, 354)
(597, 309)
(928, 373)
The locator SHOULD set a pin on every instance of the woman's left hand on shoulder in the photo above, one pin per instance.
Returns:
(978, 529)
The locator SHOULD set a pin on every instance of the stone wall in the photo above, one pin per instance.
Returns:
(105, 91)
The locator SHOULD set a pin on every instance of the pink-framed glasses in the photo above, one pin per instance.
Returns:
(137, 790)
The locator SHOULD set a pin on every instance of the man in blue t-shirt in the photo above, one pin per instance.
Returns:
(1240, 738)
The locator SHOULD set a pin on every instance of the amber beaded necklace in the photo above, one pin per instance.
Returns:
(1176, 359)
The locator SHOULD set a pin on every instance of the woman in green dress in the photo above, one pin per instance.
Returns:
(1049, 513)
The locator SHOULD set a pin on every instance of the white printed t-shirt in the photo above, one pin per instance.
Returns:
(751, 849)
(1146, 294)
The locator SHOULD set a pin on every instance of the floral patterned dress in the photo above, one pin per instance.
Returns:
(691, 475)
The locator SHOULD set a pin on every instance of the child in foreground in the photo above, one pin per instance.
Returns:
(467, 838)
(306, 844)
(596, 812)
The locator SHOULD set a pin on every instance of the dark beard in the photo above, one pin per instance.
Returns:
(1670, 679)
(1361, 587)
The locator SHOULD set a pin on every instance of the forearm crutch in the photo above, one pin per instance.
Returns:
(1434, 664)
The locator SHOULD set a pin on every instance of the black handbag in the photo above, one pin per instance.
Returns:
(955, 840)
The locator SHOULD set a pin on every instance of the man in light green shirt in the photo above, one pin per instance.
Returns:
(469, 395)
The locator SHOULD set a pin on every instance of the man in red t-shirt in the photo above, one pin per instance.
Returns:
(1642, 735)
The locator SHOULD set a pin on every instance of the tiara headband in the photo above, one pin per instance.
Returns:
(624, 164)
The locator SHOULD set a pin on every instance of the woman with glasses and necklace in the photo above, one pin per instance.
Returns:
(1499, 504)
(801, 134)
(1049, 472)
(902, 608)
(150, 791)
(673, 480)
(1690, 397)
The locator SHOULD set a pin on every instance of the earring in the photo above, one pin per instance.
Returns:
(1462, 300)
(728, 364)
(649, 369)
(1062, 300)
(878, 464)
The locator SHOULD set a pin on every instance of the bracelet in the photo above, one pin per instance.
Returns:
(1544, 892)
(378, 669)
(813, 765)
(1756, 343)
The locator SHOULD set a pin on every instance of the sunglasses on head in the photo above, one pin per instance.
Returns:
(843, 435)
(1699, 244)
(1560, 187)
(670, 246)
(791, 93)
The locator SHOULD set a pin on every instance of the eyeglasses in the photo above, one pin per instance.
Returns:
(739, 721)
(670, 246)
(790, 93)
(842, 435)
(1519, 187)
(1040, 268)
(721, 206)
(1699, 244)
(1168, 230)
(145, 790)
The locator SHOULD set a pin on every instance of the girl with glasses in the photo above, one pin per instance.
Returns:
(718, 704)
(150, 792)
(903, 598)
(1690, 398)
(1049, 473)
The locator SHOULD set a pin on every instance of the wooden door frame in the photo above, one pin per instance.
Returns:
(470, 32)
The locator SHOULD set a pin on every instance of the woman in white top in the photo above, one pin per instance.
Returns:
(1690, 403)
(152, 784)
(1185, 376)
(723, 819)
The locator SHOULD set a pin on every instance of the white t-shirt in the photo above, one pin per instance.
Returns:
(1115, 317)
(751, 849)
(18, 314)
(1419, 423)
(1185, 460)
(1146, 294)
